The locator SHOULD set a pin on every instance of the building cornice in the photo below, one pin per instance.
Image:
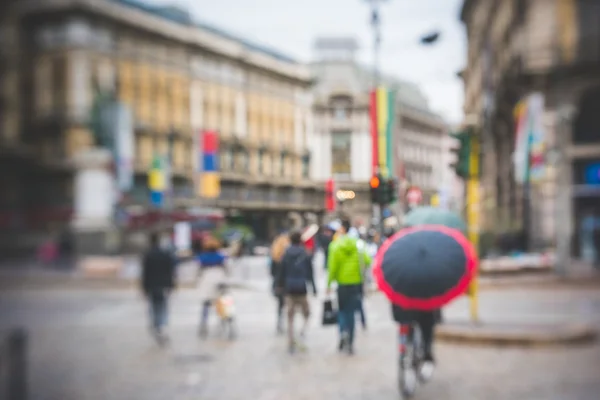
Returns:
(464, 10)
(191, 35)
(431, 120)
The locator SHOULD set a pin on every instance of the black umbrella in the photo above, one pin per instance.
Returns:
(425, 267)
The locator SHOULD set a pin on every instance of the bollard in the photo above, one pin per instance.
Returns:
(474, 300)
(17, 365)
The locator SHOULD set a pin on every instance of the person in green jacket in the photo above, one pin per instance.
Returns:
(346, 264)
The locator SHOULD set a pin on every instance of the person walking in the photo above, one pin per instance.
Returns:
(213, 272)
(157, 280)
(345, 261)
(326, 239)
(295, 272)
(278, 248)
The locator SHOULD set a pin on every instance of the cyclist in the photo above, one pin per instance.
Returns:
(426, 321)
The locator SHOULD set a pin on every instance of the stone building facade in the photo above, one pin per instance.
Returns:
(341, 145)
(178, 77)
(552, 47)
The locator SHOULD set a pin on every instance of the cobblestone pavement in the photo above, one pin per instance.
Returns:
(93, 345)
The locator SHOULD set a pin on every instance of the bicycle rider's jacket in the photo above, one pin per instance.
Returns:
(346, 261)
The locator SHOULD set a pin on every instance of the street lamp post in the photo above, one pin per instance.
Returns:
(376, 26)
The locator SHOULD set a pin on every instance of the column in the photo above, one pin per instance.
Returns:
(79, 84)
(95, 195)
(196, 122)
(298, 100)
(564, 197)
(241, 114)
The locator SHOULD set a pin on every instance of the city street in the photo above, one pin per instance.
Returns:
(92, 345)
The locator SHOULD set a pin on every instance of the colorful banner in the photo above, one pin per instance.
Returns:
(210, 185)
(528, 157)
(382, 103)
(157, 180)
(537, 168)
(210, 182)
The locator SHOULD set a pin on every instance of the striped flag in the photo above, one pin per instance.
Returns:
(210, 181)
(382, 103)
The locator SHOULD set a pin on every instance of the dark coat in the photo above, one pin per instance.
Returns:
(288, 260)
(158, 270)
(325, 242)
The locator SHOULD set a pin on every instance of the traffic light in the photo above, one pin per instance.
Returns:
(392, 191)
(375, 184)
(463, 154)
(383, 190)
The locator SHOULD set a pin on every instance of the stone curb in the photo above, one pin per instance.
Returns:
(553, 283)
(516, 271)
(75, 283)
(554, 336)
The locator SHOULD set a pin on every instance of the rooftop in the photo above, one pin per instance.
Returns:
(183, 17)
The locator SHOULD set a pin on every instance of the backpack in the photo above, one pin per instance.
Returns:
(296, 275)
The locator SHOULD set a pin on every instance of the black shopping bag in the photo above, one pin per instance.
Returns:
(329, 313)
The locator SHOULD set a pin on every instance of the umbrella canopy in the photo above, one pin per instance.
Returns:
(426, 267)
(434, 216)
(310, 232)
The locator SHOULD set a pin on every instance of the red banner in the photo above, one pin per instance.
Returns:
(374, 137)
(330, 202)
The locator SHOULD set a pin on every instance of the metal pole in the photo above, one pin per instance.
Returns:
(473, 214)
(376, 25)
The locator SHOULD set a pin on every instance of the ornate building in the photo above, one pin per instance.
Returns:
(341, 145)
(515, 48)
(179, 78)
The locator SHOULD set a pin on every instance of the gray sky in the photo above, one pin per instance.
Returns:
(292, 26)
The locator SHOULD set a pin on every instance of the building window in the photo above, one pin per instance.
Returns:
(282, 165)
(245, 161)
(340, 114)
(261, 162)
(305, 166)
(341, 154)
(226, 160)
(341, 107)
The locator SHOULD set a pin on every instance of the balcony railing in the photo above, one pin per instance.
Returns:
(241, 196)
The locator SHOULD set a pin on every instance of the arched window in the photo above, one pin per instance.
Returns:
(341, 107)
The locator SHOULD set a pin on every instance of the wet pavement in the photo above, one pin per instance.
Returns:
(93, 345)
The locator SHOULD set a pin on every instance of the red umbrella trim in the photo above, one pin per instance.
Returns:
(433, 302)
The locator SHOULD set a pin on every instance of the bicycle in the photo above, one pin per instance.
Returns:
(225, 308)
(410, 360)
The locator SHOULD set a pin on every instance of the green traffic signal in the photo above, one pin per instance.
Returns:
(463, 154)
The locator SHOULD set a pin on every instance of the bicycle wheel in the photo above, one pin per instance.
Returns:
(407, 376)
(418, 353)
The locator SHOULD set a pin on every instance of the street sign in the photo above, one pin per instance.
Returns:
(414, 196)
